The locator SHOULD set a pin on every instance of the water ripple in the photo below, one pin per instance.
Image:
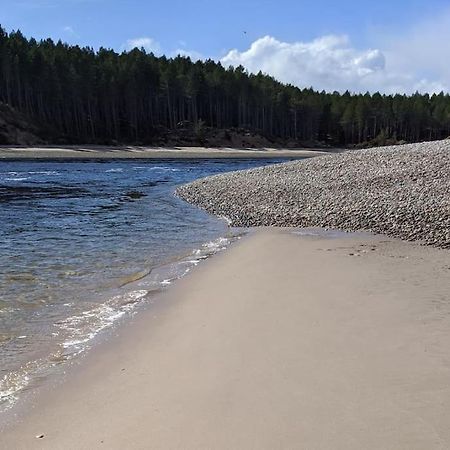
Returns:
(83, 244)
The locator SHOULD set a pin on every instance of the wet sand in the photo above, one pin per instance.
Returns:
(283, 341)
(125, 152)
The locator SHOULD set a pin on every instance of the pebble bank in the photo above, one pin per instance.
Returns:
(401, 191)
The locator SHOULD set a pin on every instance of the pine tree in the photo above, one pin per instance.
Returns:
(103, 97)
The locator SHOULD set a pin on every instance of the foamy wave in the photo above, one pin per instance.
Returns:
(44, 172)
(82, 328)
(10, 385)
(77, 332)
(218, 244)
(14, 382)
(164, 169)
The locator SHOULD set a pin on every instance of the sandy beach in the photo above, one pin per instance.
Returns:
(282, 341)
(125, 152)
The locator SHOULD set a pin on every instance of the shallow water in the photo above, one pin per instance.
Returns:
(82, 243)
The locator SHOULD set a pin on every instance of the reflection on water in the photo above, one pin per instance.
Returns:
(81, 244)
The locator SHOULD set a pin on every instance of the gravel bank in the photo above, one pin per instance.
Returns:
(401, 191)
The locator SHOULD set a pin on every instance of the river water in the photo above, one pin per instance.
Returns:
(83, 244)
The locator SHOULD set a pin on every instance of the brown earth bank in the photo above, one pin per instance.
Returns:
(17, 129)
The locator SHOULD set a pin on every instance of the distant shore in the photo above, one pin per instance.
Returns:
(282, 341)
(133, 152)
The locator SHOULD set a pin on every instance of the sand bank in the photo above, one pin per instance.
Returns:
(104, 152)
(283, 341)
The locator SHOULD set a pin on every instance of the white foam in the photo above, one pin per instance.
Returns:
(78, 330)
(164, 169)
(44, 172)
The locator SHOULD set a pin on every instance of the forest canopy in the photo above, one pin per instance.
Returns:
(88, 96)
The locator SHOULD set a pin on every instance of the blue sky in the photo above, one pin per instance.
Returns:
(359, 45)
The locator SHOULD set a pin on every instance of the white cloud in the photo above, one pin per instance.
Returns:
(331, 63)
(149, 44)
(397, 61)
(69, 30)
(195, 56)
(421, 49)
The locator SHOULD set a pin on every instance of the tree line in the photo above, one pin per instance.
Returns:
(103, 96)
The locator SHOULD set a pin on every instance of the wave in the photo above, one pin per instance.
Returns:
(44, 172)
(76, 333)
(164, 169)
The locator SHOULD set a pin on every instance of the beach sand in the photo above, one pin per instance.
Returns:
(133, 152)
(281, 342)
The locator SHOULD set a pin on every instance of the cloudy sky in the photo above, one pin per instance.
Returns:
(359, 45)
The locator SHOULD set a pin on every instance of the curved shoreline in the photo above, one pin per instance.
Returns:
(281, 339)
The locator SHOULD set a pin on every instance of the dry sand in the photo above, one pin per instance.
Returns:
(281, 342)
(104, 152)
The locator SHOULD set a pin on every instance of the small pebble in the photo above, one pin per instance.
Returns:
(401, 191)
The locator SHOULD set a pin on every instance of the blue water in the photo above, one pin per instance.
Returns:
(82, 243)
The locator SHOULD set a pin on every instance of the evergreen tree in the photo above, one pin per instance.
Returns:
(105, 97)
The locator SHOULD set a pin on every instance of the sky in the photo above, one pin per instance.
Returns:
(396, 46)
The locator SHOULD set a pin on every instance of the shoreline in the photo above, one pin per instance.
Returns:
(137, 152)
(148, 286)
(254, 350)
